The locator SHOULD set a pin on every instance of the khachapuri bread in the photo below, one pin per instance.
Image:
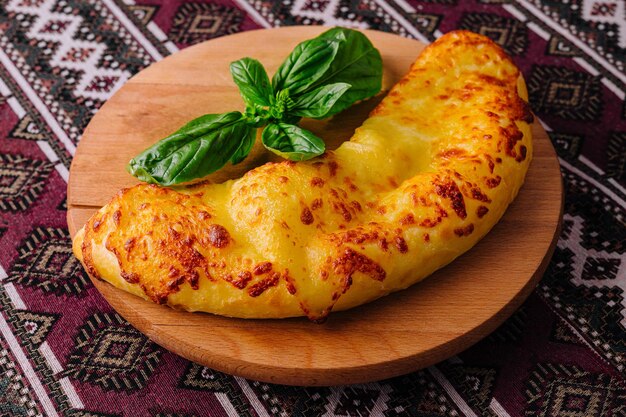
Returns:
(425, 177)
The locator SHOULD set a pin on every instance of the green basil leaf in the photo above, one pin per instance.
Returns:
(292, 142)
(319, 102)
(199, 148)
(357, 63)
(305, 65)
(244, 149)
(252, 80)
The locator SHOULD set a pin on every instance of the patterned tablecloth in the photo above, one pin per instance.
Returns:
(64, 352)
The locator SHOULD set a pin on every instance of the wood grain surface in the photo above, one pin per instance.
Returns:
(402, 332)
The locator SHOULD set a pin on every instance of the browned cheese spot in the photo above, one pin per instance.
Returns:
(289, 282)
(306, 217)
(218, 236)
(452, 153)
(491, 80)
(441, 214)
(117, 216)
(317, 182)
(481, 211)
(401, 244)
(241, 281)
(464, 231)
(477, 194)
(283, 179)
(262, 268)
(129, 245)
(130, 277)
(451, 191)
(316, 204)
(357, 236)
(266, 283)
(522, 153)
(332, 168)
(175, 279)
(97, 223)
(350, 262)
(343, 211)
(203, 215)
(493, 182)
(350, 184)
(407, 220)
(155, 295)
(526, 114)
(511, 135)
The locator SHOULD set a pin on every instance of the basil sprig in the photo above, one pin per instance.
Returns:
(320, 78)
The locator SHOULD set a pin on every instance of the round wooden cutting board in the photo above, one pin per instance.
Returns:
(412, 329)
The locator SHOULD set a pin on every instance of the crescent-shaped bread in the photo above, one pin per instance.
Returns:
(425, 177)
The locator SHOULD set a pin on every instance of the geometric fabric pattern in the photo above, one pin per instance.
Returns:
(21, 181)
(27, 128)
(112, 354)
(46, 262)
(196, 22)
(509, 33)
(143, 14)
(35, 327)
(201, 378)
(15, 398)
(616, 163)
(565, 93)
(562, 390)
(65, 352)
(567, 145)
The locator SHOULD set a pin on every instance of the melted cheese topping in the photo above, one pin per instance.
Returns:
(426, 176)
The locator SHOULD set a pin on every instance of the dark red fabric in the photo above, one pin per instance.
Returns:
(64, 351)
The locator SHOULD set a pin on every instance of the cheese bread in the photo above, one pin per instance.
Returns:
(425, 177)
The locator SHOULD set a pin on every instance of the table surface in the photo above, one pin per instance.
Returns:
(418, 327)
(65, 352)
